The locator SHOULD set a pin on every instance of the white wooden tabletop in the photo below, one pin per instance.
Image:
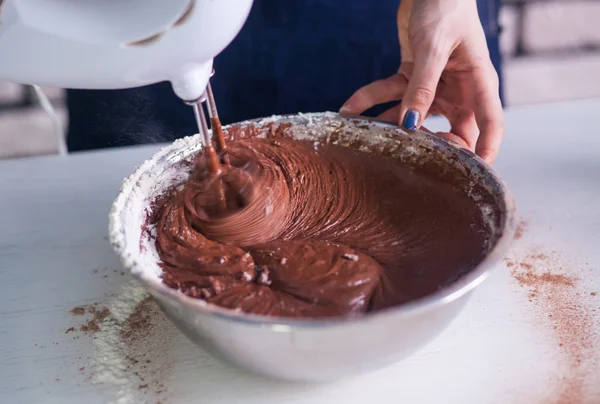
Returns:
(533, 341)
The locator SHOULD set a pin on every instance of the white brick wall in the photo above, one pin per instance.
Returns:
(565, 24)
(27, 133)
(508, 22)
(548, 26)
(544, 79)
(9, 92)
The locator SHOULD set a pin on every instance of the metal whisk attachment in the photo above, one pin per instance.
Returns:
(212, 154)
(209, 150)
(215, 124)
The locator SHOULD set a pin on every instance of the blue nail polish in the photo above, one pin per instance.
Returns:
(411, 120)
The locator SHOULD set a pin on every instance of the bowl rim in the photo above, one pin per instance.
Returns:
(455, 290)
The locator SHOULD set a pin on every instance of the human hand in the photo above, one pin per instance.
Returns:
(446, 69)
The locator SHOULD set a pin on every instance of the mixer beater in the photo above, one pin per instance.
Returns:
(215, 154)
(215, 124)
(226, 190)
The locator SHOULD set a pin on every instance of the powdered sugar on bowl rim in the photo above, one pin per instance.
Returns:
(134, 244)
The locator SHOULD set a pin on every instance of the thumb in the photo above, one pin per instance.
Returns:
(422, 84)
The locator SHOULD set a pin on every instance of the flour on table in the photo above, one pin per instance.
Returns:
(132, 347)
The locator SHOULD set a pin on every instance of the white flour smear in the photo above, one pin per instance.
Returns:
(132, 353)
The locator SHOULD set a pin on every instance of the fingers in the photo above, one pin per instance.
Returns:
(488, 113)
(391, 115)
(454, 138)
(464, 125)
(378, 92)
(429, 63)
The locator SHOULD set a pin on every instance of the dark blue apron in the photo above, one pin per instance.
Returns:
(291, 56)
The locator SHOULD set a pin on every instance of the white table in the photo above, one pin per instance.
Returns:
(502, 348)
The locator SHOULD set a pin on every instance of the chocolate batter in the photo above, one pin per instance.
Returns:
(304, 229)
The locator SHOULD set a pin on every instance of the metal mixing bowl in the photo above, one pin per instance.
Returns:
(308, 350)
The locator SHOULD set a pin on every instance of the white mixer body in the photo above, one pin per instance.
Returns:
(108, 44)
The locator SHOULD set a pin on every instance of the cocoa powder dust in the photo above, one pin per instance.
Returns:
(93, 315)
(564, 309)
(521, 228)
(143, 336)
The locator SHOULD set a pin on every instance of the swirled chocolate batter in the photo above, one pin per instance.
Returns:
(301, 229)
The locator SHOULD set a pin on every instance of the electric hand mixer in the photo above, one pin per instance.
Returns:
(108, 44)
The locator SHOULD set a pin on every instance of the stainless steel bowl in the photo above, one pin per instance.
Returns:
(308, 350)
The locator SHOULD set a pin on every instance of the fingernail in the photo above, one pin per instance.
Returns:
(346, 109)
(411, 120)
